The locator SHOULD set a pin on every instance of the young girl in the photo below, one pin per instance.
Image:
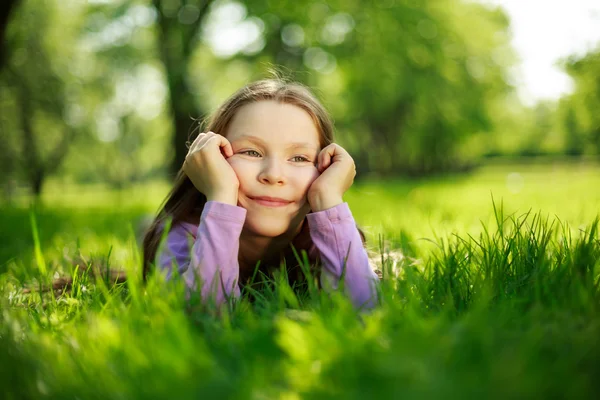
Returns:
(265, 175)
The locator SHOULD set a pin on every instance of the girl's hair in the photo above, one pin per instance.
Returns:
(184, 202)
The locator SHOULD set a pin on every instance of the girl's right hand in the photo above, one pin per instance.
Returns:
(209, 171)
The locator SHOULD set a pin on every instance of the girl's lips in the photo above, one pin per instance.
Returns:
(270, 203)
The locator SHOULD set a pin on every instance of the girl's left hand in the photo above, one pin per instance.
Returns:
(337, 171)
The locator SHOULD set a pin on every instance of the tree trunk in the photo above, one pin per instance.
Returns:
(6, 8)
(176, 42)
(36, 181)
(183, 112)
(30, 155)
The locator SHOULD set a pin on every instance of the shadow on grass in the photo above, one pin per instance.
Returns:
(65, 226)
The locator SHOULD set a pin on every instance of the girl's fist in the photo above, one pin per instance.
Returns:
(337, 171)
(208, 169)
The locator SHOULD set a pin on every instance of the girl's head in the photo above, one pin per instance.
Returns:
(276, 129)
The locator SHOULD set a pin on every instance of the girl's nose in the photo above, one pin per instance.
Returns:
(271, 173)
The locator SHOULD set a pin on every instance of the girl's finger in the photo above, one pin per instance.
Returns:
(198, 142)
(325, 157)
(204, 139)
(223, 144)
(227, 149)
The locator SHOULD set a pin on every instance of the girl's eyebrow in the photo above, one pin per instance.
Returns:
(293, 145)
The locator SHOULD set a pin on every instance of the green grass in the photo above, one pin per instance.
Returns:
(507, 308)
(407, 211)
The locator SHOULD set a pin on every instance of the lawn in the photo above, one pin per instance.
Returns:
(499, 296)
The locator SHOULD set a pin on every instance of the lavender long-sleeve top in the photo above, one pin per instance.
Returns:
(215, 246)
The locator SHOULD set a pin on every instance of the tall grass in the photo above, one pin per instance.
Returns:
(510, 312)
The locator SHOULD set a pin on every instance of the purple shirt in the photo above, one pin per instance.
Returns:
(215, 247)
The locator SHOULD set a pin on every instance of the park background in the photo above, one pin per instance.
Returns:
(434, 101)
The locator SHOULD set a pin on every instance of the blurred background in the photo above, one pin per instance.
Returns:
(98, 97)
(105, 91)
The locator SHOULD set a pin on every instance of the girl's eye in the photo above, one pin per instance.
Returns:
(300, 159)
(252, 153)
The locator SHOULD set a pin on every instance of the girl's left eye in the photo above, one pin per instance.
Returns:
(251, 152)
(300, 159)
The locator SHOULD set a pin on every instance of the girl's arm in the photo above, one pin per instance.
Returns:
(334, 233)
(213, 258)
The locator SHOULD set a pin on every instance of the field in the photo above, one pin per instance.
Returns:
(491, 289)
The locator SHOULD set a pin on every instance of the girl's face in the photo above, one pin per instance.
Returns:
(275, 148)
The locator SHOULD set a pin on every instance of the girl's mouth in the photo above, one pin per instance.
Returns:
(270, 201)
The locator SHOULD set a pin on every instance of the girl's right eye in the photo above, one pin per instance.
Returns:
(251, 153)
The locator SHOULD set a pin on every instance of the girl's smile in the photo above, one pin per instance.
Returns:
(270, 201)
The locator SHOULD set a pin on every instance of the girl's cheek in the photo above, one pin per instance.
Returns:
(307, 178)
(232, 160)
(236, 163)
(314, 174)
(237, 167)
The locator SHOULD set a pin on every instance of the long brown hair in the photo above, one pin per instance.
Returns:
(184, 202)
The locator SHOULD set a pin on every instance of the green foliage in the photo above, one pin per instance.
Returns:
(34, 96)
(124, 94)
(414, 87)
(580, 116)
(84, 95)
(574, 143)
(407, 80)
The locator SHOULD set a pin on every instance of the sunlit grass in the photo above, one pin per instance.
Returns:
(508, 308)
(403, 211)
(407, 211)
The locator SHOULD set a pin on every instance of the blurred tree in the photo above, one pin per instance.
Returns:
(8, 161)
(581, 118)
(33, 101)
(123, 96)
(574, 141)
(409, 81)
(539, 128)
(91, 69)
(6, 9)
(128, 40)
(179, 24)
(406, 80)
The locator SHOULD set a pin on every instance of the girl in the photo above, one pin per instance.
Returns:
(265, 176)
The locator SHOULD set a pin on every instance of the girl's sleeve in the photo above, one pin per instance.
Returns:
(336, 237)
(211, 265)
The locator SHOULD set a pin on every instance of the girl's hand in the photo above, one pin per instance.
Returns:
(209, 171)
(337, 171)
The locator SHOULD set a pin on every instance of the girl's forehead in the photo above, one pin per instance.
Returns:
(273, 122)
(293, 143)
